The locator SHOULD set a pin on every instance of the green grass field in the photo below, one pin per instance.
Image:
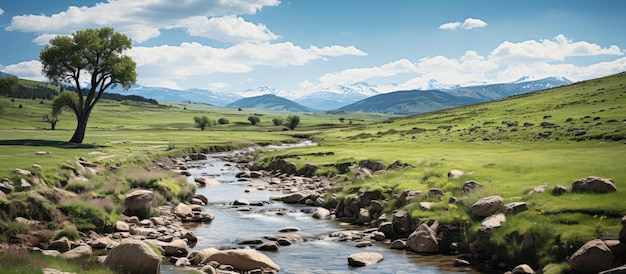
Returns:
(545, 138)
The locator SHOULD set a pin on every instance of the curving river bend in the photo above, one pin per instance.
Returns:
(323, 255)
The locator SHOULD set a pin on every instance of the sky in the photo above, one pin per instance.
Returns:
(300, 46)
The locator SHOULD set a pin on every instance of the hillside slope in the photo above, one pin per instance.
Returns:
(269, 102)
(409, 102)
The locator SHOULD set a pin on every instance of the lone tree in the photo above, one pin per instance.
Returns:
(202, 122)
(292, 121)
(94, 55)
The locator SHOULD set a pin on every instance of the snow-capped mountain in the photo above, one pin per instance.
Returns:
(334, 97)
(172, 95)
(258, 91)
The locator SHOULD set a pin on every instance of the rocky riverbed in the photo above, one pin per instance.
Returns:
(355, 228)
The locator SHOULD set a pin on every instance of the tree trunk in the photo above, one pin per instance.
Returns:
(81, 127)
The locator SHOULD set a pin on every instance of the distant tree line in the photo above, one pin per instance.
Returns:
(47, 93)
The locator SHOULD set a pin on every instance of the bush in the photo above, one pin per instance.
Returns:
(223, 121)
(11, 229)
(202, 122)
(85, 216)
(70, 232)
(277, 121)
(186, 192)
(76, 187)
(292, 121)
(254, 120)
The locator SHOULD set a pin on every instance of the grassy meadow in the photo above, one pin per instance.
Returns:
(510, 146)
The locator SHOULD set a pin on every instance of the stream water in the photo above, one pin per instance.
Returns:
(322, 255)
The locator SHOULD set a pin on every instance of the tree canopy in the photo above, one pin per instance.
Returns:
(8, 85)
(92, 56)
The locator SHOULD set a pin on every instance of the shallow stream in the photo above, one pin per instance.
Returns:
(321, 255)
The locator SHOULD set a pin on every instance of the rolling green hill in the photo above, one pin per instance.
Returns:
(269, 102)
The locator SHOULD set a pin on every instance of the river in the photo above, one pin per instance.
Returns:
(321, 255)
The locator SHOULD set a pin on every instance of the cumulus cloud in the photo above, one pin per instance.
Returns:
(507, 62)
(333, 51)
(142, 20)
(193, 59)
(350, 76)
(217, 85)
(29, 70)
(548, 50)
(1, 11)
(469, 23)
(227, 29)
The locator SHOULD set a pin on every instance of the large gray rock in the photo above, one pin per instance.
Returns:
(206, 181)
(487, 206)
(321, 213)
(133, 256)
(202, 256)
(423, 240)
(62, 244)
(522, 269)
(493, 221)
(364, 259)
(182, 210)
(401, 221)
(243, 259)
(176, 248)
(83, 251)
(593, 257)
(138, 201)
(594, 184)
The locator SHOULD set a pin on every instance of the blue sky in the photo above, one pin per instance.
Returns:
(299, 46)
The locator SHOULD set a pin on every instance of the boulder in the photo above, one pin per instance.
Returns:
(25, 185)
(522, 269)
(243, 259)
(493, 221)
(271, 246)
(182, 210)
(487, 206)
(62, 244)
(6, 186)
(201, 257)
(559, 190)
(202, 198)
(455, 174)
(182, 262)
(138, 201)
(102, 242)
(122, 226)
(176, 248)
(594, 184)
(283, 166)
(514, 208)
(321, 213)
(469, 186)
(435, 193)
(387, 229)
(401, 221)
(289, 229)
(308, 170)
(83, 251)
(593, 257)
(133, 256)
(294, 198)
(363, 217)
(398, 244)
(423, 239)
(206, 181)
(241, 202)
(364, 259)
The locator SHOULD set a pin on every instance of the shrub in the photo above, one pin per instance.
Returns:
(277, 121)
(11, 229)
(70, 232)
(186, 192)
(76, 187)
(85, 216)
(223, 121)
(254, 120)
(202, 122)
(292, 121)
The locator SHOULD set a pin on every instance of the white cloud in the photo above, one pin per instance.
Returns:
(1, 11)
(350, 76)
(469, 23)
(217, 85)
(29, 70)
(450, 26)
(227, 29)
(142, 20)
(548, 50)
(334, 51)
(193, 59)
(168, 84)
